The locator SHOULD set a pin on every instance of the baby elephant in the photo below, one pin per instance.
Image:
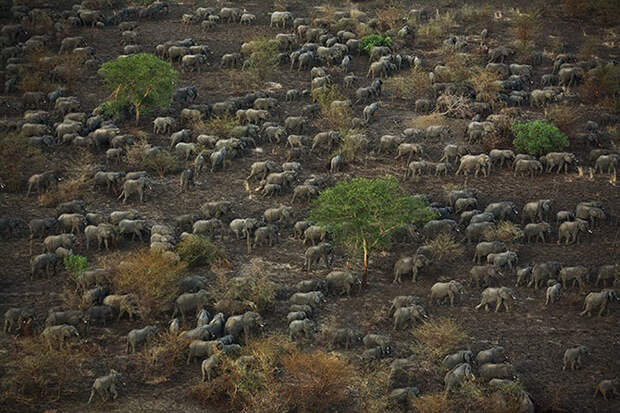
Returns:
(139, 336)
(106, 385)
(452, 360)
(553, 293)
(457, 375)
(572, 357)
(606, 388)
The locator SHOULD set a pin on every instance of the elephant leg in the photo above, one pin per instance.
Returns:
(498, 305)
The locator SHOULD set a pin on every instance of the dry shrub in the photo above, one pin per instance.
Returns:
(414, 83)
(526, 26)
(75, 184)
(431, 403)
(35, 375)
(238, 81)
(352, 146)
(152, 276)
(505, 231)
(445, 247)
(495, 140)
(440, 25)
(252, 287)
(424, 121)
(602, 86)
(336, 119)
(69, 70)
(486, 86)
(197, 251)
(19, 161)
(34, 81)
(435, 339)
(163, 358)
(217, 125)
(391, 18)
(263, 59)
(315, 381)
(161, 163)
(470, 12)
(280, 378)
(566, 118)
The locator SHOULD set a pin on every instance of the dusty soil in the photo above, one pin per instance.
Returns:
(535, 337)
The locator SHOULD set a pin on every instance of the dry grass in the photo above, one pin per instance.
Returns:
(336, 119)
(527, 26)
(505, 231)
(161, 163)
(34, 376)
(424, 121)
(472, 13)
(566, 118)
(198, 252)
(391, 17)
(445, 248)
(280, 378)
(353, 145)
(263, 60)
(253, 287)
(602, 87)
(76, 182)
(163, 358)
(431, 403)
(484, 83)
(19, 161)
(217, 125)
(416, 83)
(150, 275)
(440, 25)
(435, 339)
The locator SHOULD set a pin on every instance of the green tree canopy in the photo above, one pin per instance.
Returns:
(141, 81)
(363, 214)
(538, 137)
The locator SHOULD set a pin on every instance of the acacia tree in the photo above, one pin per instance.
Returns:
(363, 214)
(141, 81)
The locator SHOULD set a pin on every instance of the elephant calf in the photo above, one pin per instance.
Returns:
(457, 375)
(607, 388)
(105, 386)
(139, 336)
(496, 295)
(553, 293)
(452, 360)
(572, 357)
(405, 315)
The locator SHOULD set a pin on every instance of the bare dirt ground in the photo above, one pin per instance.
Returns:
(534, 336)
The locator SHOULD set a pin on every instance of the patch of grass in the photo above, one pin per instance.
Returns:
(431, 403)
(527, 26)
(435, 339)
(602, 86)
(160, 163)
(197, 251)
(416, 83)
(34, 375)
(445, 248)
(505, 231)
(440, 25)
(75, 265)
(151, 276)
(217, 125)
(566, 118)
(484, 83)
(339, 119)
(252, 286)
(19, 161)
(372, 40)
(391, 17)
(424, 121)
(352, 146)
(163, 358)
(79, 171)
(263, 59)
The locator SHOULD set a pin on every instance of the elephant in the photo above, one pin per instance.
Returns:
(607, 163)
(600, 300)
(139, 336)
(496, 295)
(475, 163)
(58, 335)
(411, 265)
(578, 275)
(409, 150)
(572, 357)
(247, 323)
(483, 273)
(609, 273)
(503, 211)
(553, 293)
(540, 97)
(452, 360)
(537, 231)
(453, 196)
(314, 254)
(502, 259)
(44, 262)
(190, 302)
(301, 327)
(589, 211)
(342, 282)
(536, 211)
(488, 247)
(105, 386)
(314, 234)
(457, 375)
(463, 204)
(570, 76)
(524, 166)
(495, 354)
(607, 388)
(570, 231)
(543, 272)
(473, 232)
(497, 371)
(404, 315)
(501, 155)
(435, 227)
(403, 301)
(442, 290)
(558, 160)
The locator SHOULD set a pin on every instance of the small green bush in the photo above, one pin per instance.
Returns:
(75, 265)
(372, 40)
(197, 251)
(538, 137)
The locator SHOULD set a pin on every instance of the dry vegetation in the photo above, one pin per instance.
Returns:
(162, 358)
(152, 276)
(445, 248)
(74, 185)
(505, 231)
(433, 340)
(197, 251)
(337, 119)
(253, 288)
(160, 163)
(19, 161)
(414, 83)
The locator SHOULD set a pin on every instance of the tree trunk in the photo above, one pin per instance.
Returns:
(365, 269)
(137, 114)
